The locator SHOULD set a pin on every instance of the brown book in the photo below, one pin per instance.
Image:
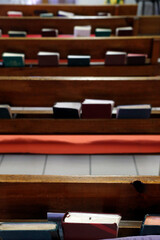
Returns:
(48, 58)
(49, 32)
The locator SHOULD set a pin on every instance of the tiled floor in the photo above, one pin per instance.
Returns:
(80, 164)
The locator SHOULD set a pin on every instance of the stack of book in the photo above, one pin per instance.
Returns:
(14, 14)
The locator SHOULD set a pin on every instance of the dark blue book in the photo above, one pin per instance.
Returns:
(28, 231)
(151, 225)
(5, 112)
(78, 60)
(141, 111)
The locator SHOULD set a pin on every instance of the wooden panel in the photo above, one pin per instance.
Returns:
(149, 25)
(33, 25)
(82, 126)
(96, 47)
(32, 196)
(94, 70)
(44, 91)
(28, 10)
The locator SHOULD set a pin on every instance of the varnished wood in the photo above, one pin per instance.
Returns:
(45, 91)
(40, 194)
(33, 25)
(142, 25)
(28, 10)
(80, 126)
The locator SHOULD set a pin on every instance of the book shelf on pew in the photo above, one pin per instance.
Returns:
(95, 47)
(142, 25)
(43, 92)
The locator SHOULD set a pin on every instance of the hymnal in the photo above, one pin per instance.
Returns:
(78, 60)
(13, 59)
(136, 59)
(17, 33)
(28, 230)
(124, 31)
(49, 32)
(92, 108)
(104, 14)
(86, 226)
(67, 110)
(48, 58)
(82, 31)
(115, 58)
(15, 13)
(46, 14)
(65, 14)
(151, 225)
(103, 32)
(140, 111)
(5, 112)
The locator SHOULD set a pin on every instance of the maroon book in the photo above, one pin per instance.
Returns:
(136, 59)
(115, 58)
(49, 32)
(48, 58)
(86, 226)
(92, 108)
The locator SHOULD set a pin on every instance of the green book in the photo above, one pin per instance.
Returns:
(103, 32)
(46, 15)
(13, 59)
(29, 231)
(78, 60)
(17, 33)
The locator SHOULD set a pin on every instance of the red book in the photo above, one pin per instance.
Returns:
(86, 226)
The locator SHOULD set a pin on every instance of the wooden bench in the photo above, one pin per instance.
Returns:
(28, 10)
(44, 92)
(96, 47)
(144, 25)
(31, 197)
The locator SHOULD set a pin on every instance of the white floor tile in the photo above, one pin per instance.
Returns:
(112, 165)
(22, 164)
(67, 165)
(147, 164)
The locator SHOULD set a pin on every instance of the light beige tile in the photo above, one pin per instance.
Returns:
(22, 164)
(147, 164)
(67, 165)
(112, 165)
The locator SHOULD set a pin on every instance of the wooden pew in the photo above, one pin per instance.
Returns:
(28, 10)
(143, 25)
(44, 92)
(30, 197)
(96, 47)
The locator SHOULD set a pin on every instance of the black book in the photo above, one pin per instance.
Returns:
(67, 110)
(151, 225)
(5, 112)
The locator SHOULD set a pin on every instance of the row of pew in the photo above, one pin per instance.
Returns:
(31, 197)
(142, 25)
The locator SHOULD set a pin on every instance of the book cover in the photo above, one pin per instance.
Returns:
(115, 58)
(103, 32)
(65, 14)
(136, 59)
(78, 60)
(141, 111)
(49, 32)
(92, 108)
(151, 225)
(86, 226)
(48, 58)
(67, 110)
(15, 14)
(17, 33)
(124, 31)
(46, 14)
(82, 31)
(28, 231)
(5, 112)
(13, 59)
